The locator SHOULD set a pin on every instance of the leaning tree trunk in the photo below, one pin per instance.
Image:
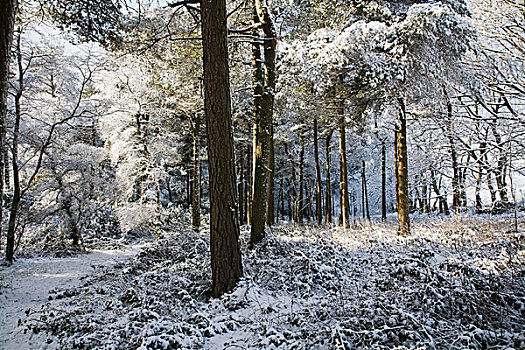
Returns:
(7, 14)
(328, 204)
(345, 203)
(319, 189)
(403, 210)
(226, 263)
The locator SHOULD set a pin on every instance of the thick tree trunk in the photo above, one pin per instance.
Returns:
(383, 180)
(196, 195)
(270, 44)
(328, 204)
(263, 130)
(260, 140)
(319, 189)
(402, 172)
(345, 208)
(7, 14)
(224, 222)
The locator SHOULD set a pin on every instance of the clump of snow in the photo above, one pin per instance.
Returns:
(449, 285)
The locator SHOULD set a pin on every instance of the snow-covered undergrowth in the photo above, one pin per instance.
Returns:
(448, 286)
(105, 235)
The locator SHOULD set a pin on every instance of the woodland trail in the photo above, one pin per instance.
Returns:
(26, 285)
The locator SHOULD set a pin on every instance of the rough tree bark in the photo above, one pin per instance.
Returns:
(7, 14)
(270, 44)
(260, 139)
(403, 210)
(263, 133)
(224, 222)
(345, 203)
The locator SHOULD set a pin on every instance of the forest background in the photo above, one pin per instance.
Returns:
(342, 113)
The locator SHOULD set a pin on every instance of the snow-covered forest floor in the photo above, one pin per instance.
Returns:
(26, 286)
(451, 284)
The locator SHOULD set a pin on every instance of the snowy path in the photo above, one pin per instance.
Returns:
(27, 283)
